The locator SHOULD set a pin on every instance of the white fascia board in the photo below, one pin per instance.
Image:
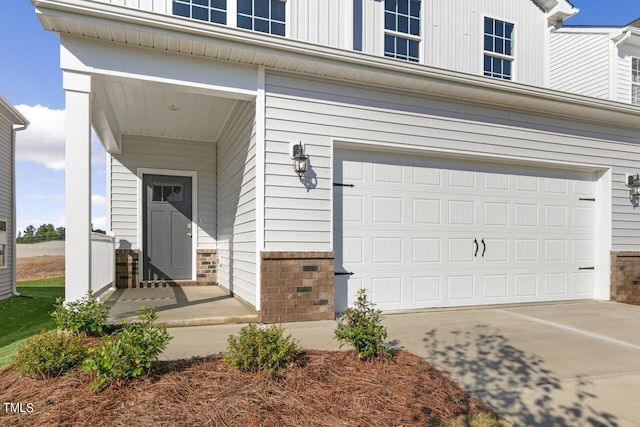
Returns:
(268, 49)
(12, 114)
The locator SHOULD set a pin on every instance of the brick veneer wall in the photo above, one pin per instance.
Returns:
(296, 286)
(128, 269)
(206, 266)
(625, 276)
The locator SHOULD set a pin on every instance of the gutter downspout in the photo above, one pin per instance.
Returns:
(14, 291)
(622, 38)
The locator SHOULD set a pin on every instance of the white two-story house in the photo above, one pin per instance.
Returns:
(295, 151)
(603, 62)
(11, 121)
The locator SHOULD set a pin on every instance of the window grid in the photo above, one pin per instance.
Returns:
(267, 16)
(402, 29)
(498, 48)
(203, 10)
(635, 81)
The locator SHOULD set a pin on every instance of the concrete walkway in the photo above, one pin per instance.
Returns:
(560, 365)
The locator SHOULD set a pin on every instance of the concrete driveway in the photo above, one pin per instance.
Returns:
(564, 364)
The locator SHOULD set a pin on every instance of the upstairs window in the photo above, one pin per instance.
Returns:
(402, 29)
(498, 48)
(267, 16)
(203, 10)
(635, 81)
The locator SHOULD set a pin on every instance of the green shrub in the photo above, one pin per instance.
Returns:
(259, 348)
(48, 355)
(129, 351)
(83, 316)
(361, 326)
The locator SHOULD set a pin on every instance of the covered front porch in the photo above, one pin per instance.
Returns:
(180, 136)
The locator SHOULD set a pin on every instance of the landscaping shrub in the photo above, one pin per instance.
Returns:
(129, 351)
(361, 326)
(48, 354)
(259, 348)
(83, 316)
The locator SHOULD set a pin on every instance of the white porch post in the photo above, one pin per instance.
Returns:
(78, 184)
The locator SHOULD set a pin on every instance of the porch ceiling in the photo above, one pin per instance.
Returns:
(130, 107)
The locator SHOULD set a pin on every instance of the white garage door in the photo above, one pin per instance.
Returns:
(423, 232)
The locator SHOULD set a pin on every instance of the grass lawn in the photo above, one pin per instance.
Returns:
(22, 317)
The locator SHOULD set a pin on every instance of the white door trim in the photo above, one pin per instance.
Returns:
(194, 214)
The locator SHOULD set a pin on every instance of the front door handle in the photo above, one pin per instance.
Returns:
(475, 242)
(189, 234)
(484, 247)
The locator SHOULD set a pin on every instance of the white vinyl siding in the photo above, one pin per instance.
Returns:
(157, 153)
(452, 34)
(326, 22)
(579, 63)
(236, 177)
(6, 204)
(315, 112)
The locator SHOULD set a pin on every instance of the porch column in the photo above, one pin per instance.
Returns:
(77, 89)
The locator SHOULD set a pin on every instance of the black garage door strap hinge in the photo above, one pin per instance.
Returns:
(338, 184)
(346, 273)
(587, 199)
(586, 268)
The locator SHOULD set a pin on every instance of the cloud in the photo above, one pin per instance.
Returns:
(98, 200)
(99, 222)
(43, 141)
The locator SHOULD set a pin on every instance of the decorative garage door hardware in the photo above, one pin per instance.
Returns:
(586, 268)
(587, 199)
(484, 247)
(338, 184)
(346, 273)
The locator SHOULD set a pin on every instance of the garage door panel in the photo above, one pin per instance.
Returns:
(419, 232)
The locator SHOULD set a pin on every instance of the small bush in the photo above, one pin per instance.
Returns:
(481, 420)
(83, 316)
(261, 349)
(128, 352)
(48, 355)
(361, 326)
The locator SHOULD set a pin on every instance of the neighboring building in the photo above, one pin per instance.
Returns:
(10, 121)
(441, 171)
(597, 61)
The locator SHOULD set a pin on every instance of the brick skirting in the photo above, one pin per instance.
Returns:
(296, 286)
(625, 276)
(128, 270)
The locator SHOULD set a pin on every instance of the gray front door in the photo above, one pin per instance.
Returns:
(167, 227)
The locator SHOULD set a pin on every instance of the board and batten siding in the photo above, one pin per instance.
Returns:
(160, 153)
(236, 178)
(315, 112)
(580, 63)
(6, 202)
(452, 34)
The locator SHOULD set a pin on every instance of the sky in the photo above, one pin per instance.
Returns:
(31, 79)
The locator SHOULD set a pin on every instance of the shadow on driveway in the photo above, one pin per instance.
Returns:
(516, 384)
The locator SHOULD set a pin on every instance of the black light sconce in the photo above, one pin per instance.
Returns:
(299, 160)
(633, 182)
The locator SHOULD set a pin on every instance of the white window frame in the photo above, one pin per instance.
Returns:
(286, 22)
(3, 244)
(635, 72)
(407, 36)
(511, 58)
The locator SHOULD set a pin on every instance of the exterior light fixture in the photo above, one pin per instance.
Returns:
(299, 160)
(633, 182)
(172, 107)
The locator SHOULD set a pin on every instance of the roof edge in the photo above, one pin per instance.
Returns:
(8, 110)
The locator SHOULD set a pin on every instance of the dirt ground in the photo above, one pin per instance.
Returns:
(320, 389)
(40, 267)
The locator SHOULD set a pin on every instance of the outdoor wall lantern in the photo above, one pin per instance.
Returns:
(633, 182)
(299, 160)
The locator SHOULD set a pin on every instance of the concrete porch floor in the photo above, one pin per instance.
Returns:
(180, 305)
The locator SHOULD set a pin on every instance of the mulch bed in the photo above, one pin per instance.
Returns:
(323, 388)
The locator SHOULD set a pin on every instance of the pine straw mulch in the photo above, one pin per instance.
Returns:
(323, 388)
